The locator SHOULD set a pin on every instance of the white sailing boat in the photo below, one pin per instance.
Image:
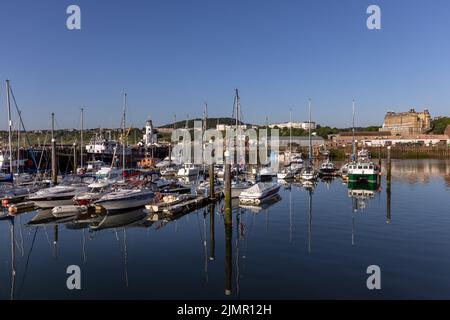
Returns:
(309, 173)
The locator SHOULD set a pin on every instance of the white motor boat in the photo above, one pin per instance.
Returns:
(258, 193)
(125, 199)
(167, 201)
(96, 191)
(109, 173)
(162, 183)
(309, 174)
(204, 187)
(238, 186)
(266, 172)
(188, 171)
(57, 196)
(296, 162)
(169, 171)
(166, 162)
(286, 174)
(327, 168)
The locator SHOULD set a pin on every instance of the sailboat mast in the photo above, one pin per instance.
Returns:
(54, 163)
(290, 132)
(123, 132)
(205, 127)
(205, 117)
(309, 130)
(18, 148)
(353, 129)
(8, 103)
(237, 128)
(81, 136)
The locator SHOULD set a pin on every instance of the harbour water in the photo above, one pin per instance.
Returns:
(312, 243)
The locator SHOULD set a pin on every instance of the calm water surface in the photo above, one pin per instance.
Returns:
(311, 243)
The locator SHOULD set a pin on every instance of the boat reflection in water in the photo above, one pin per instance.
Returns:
(117, 220)
(361, 194)
(264, 205)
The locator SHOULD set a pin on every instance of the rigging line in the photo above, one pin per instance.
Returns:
(21, 121)
(27, 263)
(57, 127)
(16, 241)
(21, 234)
(199, 228)
(46, 234)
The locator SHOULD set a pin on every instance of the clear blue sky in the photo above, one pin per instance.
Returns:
(173, 55)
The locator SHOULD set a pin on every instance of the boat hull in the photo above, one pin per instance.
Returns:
(126, 204)
(236, 192)
(258, 198)
(50, 203)
(362, 177)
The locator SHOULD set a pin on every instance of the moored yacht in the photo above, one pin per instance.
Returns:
(363, 169)
(96, 191)
(188, 170)
(308, 174)
(286, 174)
(125, 199)
(238, 186)
(266, 173)
(166, 162)
(57, 196)
(327, 168)
(6, 177)
(258, 193)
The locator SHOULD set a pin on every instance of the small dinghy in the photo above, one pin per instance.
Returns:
(166, 201)
(68, 211)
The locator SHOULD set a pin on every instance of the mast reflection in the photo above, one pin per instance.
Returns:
(361, 194)
(228, 252)
(309, 186)
(212, 238)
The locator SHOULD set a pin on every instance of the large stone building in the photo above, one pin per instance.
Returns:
(406, 123)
